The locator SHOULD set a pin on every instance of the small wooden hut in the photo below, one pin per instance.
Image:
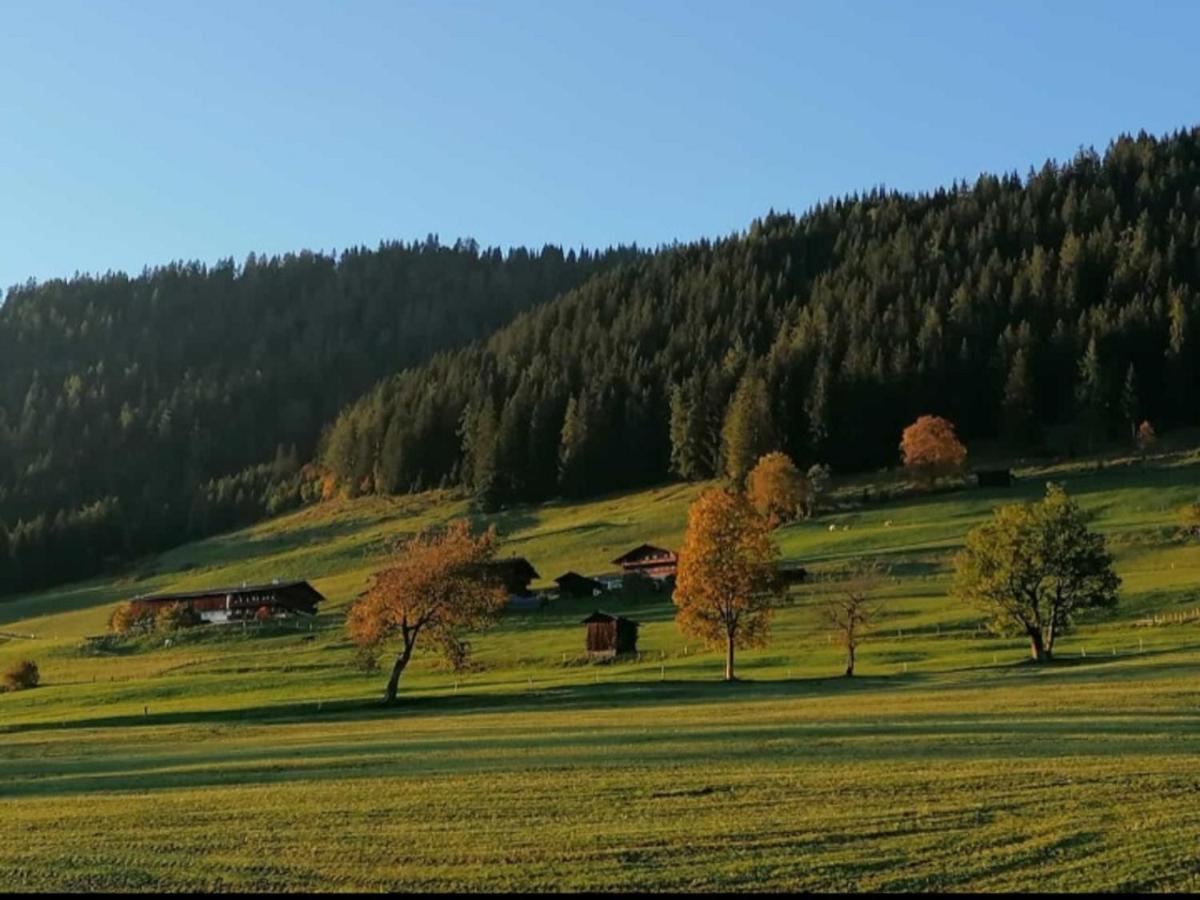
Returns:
(609, 635)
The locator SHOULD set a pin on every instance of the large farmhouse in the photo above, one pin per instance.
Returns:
(652, 562)
(237, 604)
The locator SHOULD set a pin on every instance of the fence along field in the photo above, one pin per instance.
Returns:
(262, 760)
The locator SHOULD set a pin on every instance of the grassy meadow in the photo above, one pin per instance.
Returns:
(259, 758)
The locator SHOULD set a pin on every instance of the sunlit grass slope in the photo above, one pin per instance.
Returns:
(260, 759)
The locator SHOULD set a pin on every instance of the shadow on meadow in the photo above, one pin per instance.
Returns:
(626, 694)
(916, 739)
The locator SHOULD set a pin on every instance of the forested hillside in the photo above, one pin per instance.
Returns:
(1058, 307)
(138, 411)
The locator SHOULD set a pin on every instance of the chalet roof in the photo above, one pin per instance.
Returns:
(240, 589)
(517, 565)
(599, 616)
(643, 551)
(575, 577)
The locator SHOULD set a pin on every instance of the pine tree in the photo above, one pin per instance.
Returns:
(1130, 405)
(747, 433)
(686, 428)
(816, 407)
(1018, 409)
(1089, 396)
(573, 448)
(481, 453)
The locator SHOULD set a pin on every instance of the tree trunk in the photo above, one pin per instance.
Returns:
(729, 676)
(1037, 646)
(849, 661)
(389, 693)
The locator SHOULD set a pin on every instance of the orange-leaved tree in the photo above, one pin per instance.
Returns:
(777, 489)
(439, 586)
(727, 583)
(1147, 437)
(929, 448)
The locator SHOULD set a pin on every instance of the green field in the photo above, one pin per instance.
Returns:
(261, 759)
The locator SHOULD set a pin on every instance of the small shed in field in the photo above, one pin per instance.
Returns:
(609, 635)
(987, 478)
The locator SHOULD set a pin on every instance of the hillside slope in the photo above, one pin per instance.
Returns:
(1058, 309)
(260, 758)
(139, 411)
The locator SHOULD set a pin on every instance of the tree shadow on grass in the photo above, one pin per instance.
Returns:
(919, 740)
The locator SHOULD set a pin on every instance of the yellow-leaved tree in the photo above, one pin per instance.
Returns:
(439, 585)
(777, 489)
(727, 583)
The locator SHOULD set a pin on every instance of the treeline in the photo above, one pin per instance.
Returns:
(1057, 309)
(182, 400)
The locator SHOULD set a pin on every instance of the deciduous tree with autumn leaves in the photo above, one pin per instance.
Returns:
(777, 489)
(929, 449)
(438, 586)
(727, 584)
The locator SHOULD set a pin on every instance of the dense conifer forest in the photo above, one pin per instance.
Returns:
(1052, 311)
(137, 412)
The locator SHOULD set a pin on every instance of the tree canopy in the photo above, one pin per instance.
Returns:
(438, 585)
(1034, 567)
(727, 583)
(929, 447)
(776, 489)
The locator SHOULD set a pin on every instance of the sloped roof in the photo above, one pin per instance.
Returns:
(518, 565)
(600, 616)
(240, 589)
(574, 576)
(643, 551)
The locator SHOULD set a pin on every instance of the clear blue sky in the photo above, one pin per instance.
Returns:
(137, 133)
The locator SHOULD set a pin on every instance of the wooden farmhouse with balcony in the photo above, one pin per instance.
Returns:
(279, 599)
(652, 562)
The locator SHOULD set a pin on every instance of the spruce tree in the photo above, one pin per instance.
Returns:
(1130, 406)
(1018, 411)
(572, 450)
(748, 432)
(1089, 396)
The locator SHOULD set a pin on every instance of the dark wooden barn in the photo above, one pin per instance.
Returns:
(646, 559)
(572, 584)
(515, 573)
(988, 478)
(237, 604)
(609, 635)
